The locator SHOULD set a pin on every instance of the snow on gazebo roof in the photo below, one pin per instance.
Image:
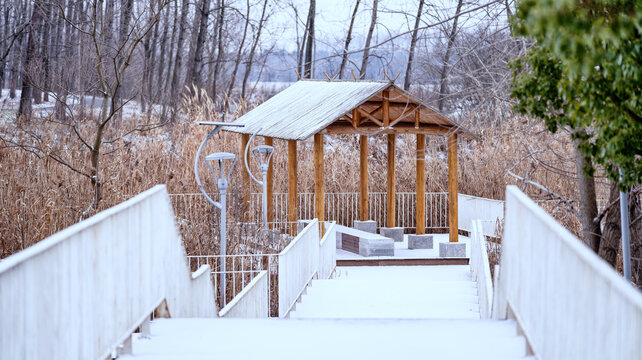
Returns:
(309, 106)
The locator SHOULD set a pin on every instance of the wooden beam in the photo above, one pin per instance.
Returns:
(401, 128)
(245, 179)
(319, 195)
(356, 118)
(270, 183)
(390, 192)
(369, 116)
(292, 184)
(385, 108)
(363, 178)
(421, 185)
(452, 188)
(417, 117)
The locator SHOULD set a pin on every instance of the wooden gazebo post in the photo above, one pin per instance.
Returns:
(319, 194)
(421, 184)
(452, 188)
(292, 182)
(363, 178)
(391, 183)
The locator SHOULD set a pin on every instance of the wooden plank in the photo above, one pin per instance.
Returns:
(453, 226)
(356, 118)
(369, 129)
(292, 184)
(270, 183)
(385, 109)
(319, 195)
(421, 185)
(363, 178)
(417, 117)
(390, 192)
(245, 179)
(403, 262)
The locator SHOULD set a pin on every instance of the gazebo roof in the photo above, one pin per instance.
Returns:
(309, 107)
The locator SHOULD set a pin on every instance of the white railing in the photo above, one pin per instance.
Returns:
(488, 211)
(480, 269)
(328, 251)
(298, 264)
(252, 302)
(81, 292)
(569, 303)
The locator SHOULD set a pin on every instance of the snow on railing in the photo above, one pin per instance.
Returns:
(480, 269)
(252, 301)
(488, 211)
(80, 293)
(298, 264)
(328, 251)
(569, 303)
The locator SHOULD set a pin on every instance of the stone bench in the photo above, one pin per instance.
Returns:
(364, 243)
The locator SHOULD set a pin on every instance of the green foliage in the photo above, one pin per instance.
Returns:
(585, 73)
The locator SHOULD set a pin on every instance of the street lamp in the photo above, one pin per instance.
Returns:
(222, 181)
(262, 154)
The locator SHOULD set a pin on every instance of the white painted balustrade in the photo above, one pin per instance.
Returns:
(475, 208)
(328, 251)
(298, 264)
(569, 302)
(480, 269)
(81, 292)
(252, 301)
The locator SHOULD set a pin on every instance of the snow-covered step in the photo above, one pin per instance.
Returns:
(417, 292)
(329, 339)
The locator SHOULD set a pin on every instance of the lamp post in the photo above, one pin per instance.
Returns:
(222, 181)
(262, 154)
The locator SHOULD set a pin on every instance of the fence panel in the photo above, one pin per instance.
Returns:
(569, 302)
(480, 269)
(252, 302)
(328, 251)
(298, 263)
(475, 208)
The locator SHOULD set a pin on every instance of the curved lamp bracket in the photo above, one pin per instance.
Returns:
(217, 128)
(247, 167)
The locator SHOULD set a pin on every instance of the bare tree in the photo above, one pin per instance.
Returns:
(443, 85)
(344, 57)
(250, 58)
(309, 46)
(366, 48)
(413, 44)
(30, 62)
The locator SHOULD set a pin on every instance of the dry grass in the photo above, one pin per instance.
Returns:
(39, 197)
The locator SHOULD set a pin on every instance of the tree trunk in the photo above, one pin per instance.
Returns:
(413, 43)
(197, 63)
(29, 77)
(611, 234)
(219, 55)
(248, 66)
(158, 93)
(443, 86)
(591, 231)
(127, 7)
(178, 63)
(237, 62)
(309, 47)
(344, 57)
(366, 49)
(172, 47)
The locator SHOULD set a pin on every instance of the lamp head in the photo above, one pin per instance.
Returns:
(263, 154)
(222, 180)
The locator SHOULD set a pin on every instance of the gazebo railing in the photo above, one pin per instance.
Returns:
(343, 208)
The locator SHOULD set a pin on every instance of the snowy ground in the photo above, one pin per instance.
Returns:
(9, 106)
(402, 251)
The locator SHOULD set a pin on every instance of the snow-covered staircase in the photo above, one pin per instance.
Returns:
(423, 312)
(392, 292)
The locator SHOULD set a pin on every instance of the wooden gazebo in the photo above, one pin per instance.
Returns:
(317, 108)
